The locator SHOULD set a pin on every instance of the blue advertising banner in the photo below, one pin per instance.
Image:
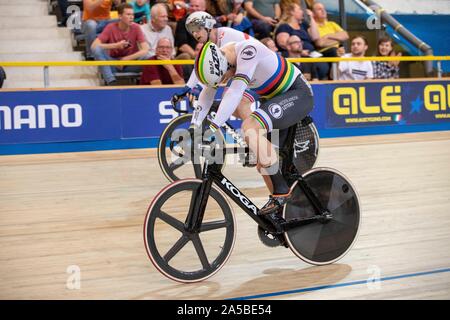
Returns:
(121, 117)
(395, 104)
(57, 116)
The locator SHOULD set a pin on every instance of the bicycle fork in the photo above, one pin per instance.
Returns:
(199, 200)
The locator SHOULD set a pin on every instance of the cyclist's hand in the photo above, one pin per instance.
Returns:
(180, 94)
(195, 93)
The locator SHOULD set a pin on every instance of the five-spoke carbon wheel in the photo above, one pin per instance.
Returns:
(178, 253)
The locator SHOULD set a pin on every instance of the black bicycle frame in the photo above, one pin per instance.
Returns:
(212, 174)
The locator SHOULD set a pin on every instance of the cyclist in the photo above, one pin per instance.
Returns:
(286, 98)
(201, 25)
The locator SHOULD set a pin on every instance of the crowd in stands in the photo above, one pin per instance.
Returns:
(155, 30)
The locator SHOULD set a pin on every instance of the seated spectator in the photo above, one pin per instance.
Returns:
(162, 74)
(269, 43)
(184, 41)
(62, 6)
(304, 4)
(356, 70)
(141, 9)
(294, 50)
(157, 27)
(264, 15)
(122, 40)
(386, 69)
(331, 34)
(292, 24)
(233, 16)
(96, 16)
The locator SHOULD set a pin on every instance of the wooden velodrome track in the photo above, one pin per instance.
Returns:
(87, 210)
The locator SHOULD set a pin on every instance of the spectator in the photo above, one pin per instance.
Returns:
(304, 4)
(386, 69)
(63, 5)
(162, 74)
(356, 70)
(233, 16)
(269, 43)
(122, 40)
(96, 16)
(2, 76)
(331, 34)
(157, 27)
(294, 50)
(264, 15)
(141, 9)
(291, 24)
(184, 41)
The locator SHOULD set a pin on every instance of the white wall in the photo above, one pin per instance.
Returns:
(416, 6)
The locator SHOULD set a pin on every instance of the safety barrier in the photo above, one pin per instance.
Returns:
(47, 64)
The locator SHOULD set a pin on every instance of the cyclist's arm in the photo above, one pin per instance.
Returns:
(193, 81)
(205, 101)
(245, 69)
(230, 102)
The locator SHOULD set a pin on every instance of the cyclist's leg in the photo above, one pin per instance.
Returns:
(280, 112)
(281, 140)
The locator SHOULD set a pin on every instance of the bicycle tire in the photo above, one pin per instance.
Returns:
(321, 243)
(164, 259)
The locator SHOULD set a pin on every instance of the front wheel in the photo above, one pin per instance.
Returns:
(176, 252)
(324, 242)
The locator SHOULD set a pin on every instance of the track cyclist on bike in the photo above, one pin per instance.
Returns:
(286, 98)
(201, 25)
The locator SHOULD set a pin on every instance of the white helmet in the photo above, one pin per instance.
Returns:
(198, 20)
(210, 65)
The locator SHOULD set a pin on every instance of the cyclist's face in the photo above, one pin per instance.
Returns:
(200, 35)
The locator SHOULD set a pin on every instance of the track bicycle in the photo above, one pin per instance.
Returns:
(189, 229)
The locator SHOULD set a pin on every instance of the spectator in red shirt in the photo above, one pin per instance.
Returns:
(163, 74)
(121, 40)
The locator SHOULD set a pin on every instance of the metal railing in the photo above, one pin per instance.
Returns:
(47, 64)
